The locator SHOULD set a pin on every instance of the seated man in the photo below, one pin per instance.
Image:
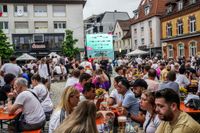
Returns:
(130, 102)
(88, 93)
(115, 98)
(173, 119)
(33, 116)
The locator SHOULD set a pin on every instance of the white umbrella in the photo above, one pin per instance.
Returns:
(26, 56)
(54, 54)
(137, 52)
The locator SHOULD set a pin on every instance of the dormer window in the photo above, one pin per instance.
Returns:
(180, 5)
(147, 10)
(192, 1)
(169, 9)
(136, 14)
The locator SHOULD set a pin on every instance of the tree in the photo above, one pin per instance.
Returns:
(68, 48)
(6, 49)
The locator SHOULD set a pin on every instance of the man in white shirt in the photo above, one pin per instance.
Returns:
(86, 64)
(34, 117)
(11, 67)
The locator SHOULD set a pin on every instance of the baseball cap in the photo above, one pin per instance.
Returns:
(139, 82)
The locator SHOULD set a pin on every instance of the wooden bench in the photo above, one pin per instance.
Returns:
(34, 131)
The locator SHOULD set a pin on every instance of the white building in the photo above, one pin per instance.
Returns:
(38, 26)
(122, 37)
(145, 27)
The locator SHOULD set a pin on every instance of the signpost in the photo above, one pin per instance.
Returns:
(100, 45)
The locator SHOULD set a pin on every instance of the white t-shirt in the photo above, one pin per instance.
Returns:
(71, 81)
(182, 80)
(57, 69)
(115, 95)
(32, 109)
(55, 120)
(11, 68)
(152, 126)
(86, 64)
(43, 71)
(40, 90)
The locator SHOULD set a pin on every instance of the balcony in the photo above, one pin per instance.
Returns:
(59, 30)
(25, 14)
(21, 31)
(6, 31)
(40, 14)
(44, 30)
(59, 14)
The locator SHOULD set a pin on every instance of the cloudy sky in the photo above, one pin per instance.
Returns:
(100, 6)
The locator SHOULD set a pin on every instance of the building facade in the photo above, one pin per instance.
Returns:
(104, 23)
(181, 29)
(38, 27)
(122, 37)
(145, 26)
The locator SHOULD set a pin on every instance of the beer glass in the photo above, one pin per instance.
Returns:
(122, 121)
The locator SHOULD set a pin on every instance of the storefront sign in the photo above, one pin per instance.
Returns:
(38, 46)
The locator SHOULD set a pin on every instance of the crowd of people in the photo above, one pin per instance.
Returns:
(147, 91)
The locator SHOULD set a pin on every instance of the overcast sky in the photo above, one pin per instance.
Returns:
(100, 6)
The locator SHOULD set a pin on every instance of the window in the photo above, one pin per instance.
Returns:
(142, 41)
(150, 23)
(170, 51)
(3, 9)
(192, 1)
(169, 29)
(180, 5)
(40, 9)
(169, 9)
(38, 38)
(135, 31)
(142, 29)
(180, 27)
(136, 14)
(193, 49)
(41, 25)
(20, 10)
(59, 25)
(3, 25)
(192, 24)
(120, 35)
(181, 50)
(59, 10)
(135, 42)
(21, 25)
(147, 10)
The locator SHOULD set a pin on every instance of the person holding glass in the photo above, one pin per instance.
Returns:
(69, 100)
(82, 119)
(147, 103)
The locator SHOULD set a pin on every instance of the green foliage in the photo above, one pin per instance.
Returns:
(68, 48)
(6, 49)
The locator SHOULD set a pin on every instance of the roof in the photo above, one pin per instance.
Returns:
(124, 24)
(157, 8)
(46, 1)
(128, 35)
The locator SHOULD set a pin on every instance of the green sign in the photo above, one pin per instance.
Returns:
(100, 45)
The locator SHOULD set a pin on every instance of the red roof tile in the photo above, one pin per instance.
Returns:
(157, 8)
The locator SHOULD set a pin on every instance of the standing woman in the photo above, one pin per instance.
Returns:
(69, 100)
(151, 120)
(82, 120)
(43, 70)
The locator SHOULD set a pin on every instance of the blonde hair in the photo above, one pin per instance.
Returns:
(151, 99)
(65, 103)
(81, 120)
